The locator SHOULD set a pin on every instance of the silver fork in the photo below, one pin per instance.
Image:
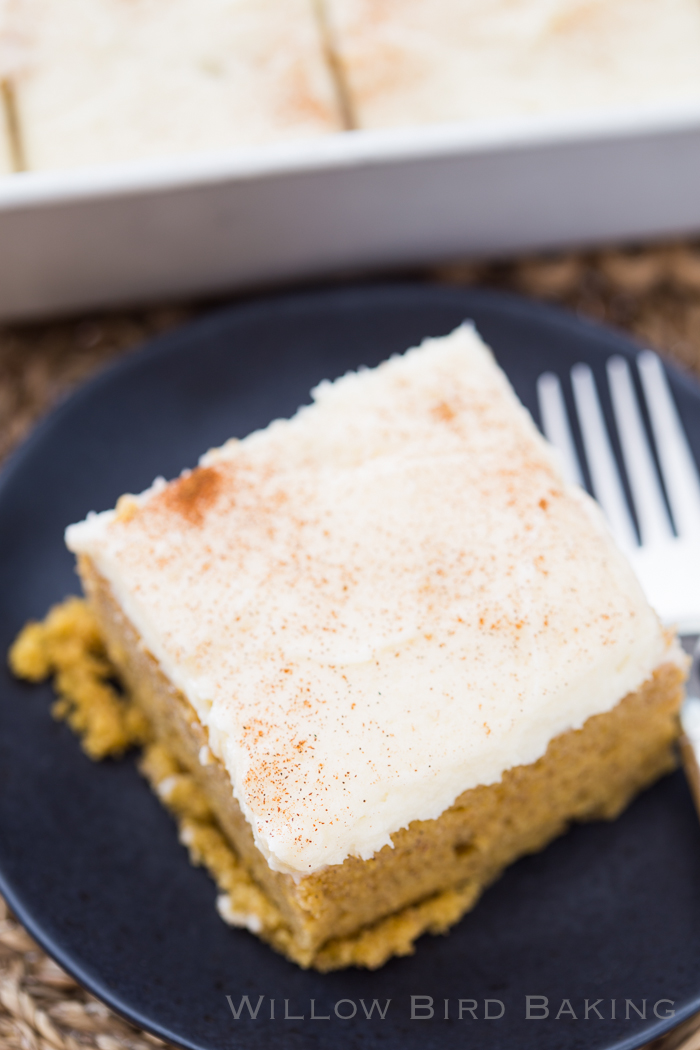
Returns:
(663, 550)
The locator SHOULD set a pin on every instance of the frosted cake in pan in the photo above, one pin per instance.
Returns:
(416, 62)
(103, 80)
(393, 648)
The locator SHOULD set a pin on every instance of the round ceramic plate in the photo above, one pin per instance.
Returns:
(607, 915)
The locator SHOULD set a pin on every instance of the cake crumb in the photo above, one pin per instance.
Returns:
(68, 646)
(127, 508)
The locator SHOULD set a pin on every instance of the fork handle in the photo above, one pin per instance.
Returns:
(689, 741)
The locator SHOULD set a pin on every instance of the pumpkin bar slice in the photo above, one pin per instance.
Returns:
(107, 81)
(394, 648)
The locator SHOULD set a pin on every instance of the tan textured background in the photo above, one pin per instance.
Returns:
(652, 291)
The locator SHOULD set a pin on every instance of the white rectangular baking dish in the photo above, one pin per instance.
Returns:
(87, 238)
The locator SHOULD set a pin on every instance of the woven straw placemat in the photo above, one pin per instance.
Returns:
(652, 291)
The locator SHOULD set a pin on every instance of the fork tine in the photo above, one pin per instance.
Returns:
(555, 423)
(654, 523)
(677, 463)
(607, 486)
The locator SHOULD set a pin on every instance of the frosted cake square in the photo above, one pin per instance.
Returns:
(408, 62)
(393, 647)
(98, 81)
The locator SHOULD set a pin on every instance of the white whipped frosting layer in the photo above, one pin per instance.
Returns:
(374, 606)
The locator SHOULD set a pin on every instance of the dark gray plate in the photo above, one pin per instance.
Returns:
(89, 859)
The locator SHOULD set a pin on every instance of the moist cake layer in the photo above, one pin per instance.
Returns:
(380, 604)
